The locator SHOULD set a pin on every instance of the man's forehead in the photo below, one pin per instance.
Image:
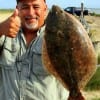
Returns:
(27, 0)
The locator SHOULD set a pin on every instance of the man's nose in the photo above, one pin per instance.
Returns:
(31, 11)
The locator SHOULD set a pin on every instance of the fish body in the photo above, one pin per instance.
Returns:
(68, 52)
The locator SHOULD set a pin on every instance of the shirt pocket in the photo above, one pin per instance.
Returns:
(38, 67)
(9, 53)
(24, 69)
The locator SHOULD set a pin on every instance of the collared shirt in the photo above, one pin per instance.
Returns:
(22, 75)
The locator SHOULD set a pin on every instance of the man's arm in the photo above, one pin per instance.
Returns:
(10, 26)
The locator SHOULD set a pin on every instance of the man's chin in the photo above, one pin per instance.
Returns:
(31, 26)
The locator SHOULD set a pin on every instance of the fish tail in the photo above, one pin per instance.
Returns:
(76, 96)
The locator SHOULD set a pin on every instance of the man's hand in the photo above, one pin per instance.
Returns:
(10, 27)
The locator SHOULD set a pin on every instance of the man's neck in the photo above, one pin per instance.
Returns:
(29, 35)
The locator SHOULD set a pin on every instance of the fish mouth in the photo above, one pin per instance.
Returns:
(56, 9)
(55, 15)
(55, 18)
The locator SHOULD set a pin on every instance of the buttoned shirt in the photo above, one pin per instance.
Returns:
(22, 74)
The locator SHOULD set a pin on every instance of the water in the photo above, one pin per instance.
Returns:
(95, 10)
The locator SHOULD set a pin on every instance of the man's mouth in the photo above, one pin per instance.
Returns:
(31, 19)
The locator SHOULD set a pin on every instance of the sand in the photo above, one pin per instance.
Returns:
(92, 95)
(94, 24)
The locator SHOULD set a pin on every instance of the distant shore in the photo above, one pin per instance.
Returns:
(95, 10)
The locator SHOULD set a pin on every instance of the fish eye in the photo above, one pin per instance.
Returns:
(56, 12)
(61, 11)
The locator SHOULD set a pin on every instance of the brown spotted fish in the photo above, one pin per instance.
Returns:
(68, 53)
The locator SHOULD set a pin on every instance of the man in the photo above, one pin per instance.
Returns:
(22, 75)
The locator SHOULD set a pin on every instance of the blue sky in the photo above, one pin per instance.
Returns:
(61, 3)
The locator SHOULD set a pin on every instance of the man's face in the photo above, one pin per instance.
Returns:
(32, 13)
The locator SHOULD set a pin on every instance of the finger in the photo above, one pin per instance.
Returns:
(14, 28)
(13, 36)
(15, 13)
(13, 33)
(13, 25)
(15, 17)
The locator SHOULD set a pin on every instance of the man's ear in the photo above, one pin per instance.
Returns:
(46, 10)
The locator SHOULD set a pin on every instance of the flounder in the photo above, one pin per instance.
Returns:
(67, 52)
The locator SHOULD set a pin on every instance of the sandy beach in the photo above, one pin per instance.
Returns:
(94, 24)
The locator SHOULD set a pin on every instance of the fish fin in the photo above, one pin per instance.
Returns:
(76, 97)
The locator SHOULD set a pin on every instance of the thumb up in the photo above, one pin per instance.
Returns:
(12, 25)
(15, 13)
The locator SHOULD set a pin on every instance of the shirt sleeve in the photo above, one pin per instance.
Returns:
(2, 38)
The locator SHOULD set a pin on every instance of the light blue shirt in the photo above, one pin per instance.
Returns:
(22, 75)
